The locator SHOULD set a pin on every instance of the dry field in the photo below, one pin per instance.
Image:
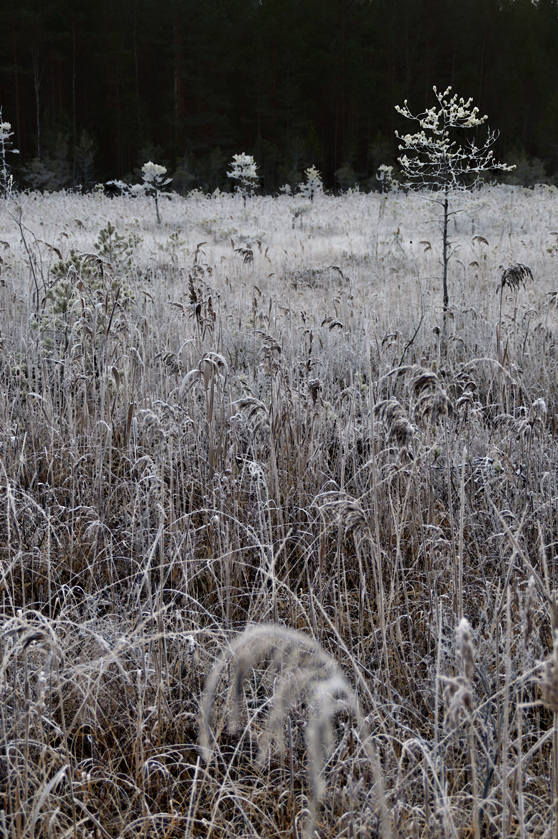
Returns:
(248, 417)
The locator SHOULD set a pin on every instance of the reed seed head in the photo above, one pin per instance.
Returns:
(514, 276)
(457, 699)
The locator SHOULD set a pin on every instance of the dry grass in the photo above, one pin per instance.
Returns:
(222, 423)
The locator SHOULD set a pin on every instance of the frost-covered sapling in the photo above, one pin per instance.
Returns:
(14, 204)
(387, 179)
(312, 186)
(432, 158)
(245, 172)
(5, 143)
(154, 182)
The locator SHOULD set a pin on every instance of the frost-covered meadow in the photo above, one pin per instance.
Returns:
(252, 413)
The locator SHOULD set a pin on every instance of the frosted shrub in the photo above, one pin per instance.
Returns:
(299, 211)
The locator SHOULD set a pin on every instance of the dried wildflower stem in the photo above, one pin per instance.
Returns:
(549, 687)
(467, 653)
(377, 555)
(555, 772)
(530, 610)
(192, 796)
(474, 781)
(506, 719)
(452, 523)
(437, 679)
(460, 546)
(385, 826)
(291, 778)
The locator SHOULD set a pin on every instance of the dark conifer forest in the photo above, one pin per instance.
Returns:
(94, 88)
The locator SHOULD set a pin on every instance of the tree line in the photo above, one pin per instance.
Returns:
(95, 88)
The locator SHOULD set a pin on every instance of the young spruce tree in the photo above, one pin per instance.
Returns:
(433, 159)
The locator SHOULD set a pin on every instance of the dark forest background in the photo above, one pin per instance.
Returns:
(94, 88)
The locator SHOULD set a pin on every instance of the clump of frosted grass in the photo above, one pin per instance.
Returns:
(129, 494)
(302, 672)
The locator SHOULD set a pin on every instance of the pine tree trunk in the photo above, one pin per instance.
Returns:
(37, 76)
(445, 256)
(445, 259)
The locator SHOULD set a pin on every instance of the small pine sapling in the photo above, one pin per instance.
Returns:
(245, 172)
(154, 182)
(14, 204)
(5, 143)
(388, 181)
(433, 159)
(313, 185)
